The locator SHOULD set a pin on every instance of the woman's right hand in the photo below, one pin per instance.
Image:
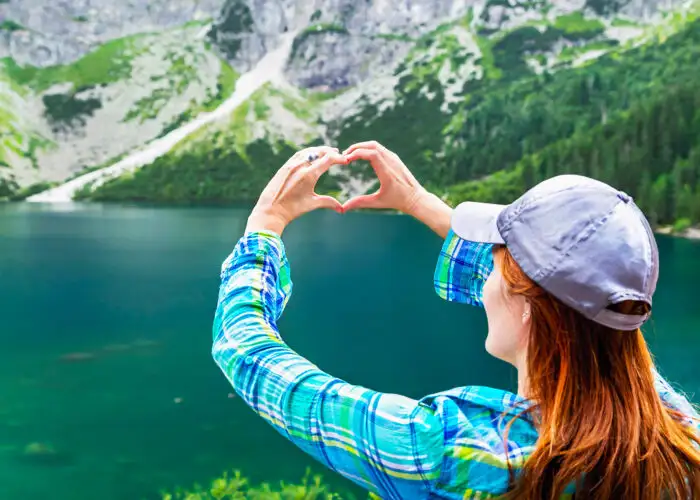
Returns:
(398, 190)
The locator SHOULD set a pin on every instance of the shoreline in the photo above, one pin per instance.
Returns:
(692, 233)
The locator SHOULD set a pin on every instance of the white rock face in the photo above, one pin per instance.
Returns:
(61, 31)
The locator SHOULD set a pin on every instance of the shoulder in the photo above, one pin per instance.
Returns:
(479, 444)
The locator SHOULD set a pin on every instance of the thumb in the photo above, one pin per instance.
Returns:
(362, 201)
(328, 202)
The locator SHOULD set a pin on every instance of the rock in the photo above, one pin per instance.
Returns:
(61, 32)
(73, 357)
(38, 453)
(116, 347)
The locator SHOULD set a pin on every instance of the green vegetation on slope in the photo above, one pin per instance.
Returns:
(224, 163)
(652, 152)
(503, 134)
(580, 121)
(17, 138)
(500, 123)
(218, 176)
(108, 63)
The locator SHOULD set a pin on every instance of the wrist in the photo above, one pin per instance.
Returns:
(417, 202)
(265, 220)
(433, 212)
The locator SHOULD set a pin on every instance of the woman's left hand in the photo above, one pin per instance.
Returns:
(290, 193)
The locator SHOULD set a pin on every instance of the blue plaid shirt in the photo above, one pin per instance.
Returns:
(447, 445)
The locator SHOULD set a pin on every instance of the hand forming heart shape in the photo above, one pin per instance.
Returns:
(290, 193)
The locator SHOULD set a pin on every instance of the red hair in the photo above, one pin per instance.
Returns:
(602, 424)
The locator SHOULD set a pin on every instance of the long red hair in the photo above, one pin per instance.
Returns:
(602, 424)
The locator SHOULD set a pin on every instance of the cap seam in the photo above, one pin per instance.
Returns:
(618, 296)
(650, 249)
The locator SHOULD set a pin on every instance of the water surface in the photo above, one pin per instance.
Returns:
(106, 339)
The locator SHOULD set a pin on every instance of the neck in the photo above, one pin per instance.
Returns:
(523, 379)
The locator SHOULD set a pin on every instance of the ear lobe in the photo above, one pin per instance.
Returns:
(526, 313)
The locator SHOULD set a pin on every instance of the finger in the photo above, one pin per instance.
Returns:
(320, 151)
(363, 201)
(321, 166)
(373, 145)
(371, 155)
(302, 156)
(327, 202)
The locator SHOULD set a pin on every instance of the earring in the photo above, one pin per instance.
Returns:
(526, 314)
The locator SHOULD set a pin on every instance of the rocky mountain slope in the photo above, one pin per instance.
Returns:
(481, 92)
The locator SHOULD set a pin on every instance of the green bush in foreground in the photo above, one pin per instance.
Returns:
(230, 486)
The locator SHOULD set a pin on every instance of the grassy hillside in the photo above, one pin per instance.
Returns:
(124, 92)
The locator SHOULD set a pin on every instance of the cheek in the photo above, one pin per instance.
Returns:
(504, 335)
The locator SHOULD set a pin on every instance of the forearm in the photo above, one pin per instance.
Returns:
(433, 212)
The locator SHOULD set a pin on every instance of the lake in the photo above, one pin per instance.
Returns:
(106, 340)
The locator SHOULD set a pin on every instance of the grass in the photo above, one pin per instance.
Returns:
(569, 53)
(235, 486)
(109, 63)
(299, 108)
(399, 37)
(319, 97)
(491, 71)
(225, 86)
(620, 23)
(576, 25)
(8, 25)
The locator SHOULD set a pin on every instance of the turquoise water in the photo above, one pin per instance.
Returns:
(106, 337)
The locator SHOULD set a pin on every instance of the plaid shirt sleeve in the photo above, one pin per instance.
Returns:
(462, 270)
(389, 444)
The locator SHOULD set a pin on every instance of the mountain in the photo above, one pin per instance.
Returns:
(200, 102)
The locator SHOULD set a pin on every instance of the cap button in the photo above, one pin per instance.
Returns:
(623, 196)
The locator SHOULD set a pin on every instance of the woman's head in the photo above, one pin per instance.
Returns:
(583, 241)
(599, 415)
(566, 274)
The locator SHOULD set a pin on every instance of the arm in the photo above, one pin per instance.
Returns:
(386, 443)
(433, 212)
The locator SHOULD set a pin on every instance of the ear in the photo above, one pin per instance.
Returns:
(526, 313)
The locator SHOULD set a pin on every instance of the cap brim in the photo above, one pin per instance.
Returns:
(477, 222)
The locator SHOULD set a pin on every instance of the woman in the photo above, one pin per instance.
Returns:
(566, 275)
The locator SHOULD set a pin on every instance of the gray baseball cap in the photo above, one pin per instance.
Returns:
(583, 241)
